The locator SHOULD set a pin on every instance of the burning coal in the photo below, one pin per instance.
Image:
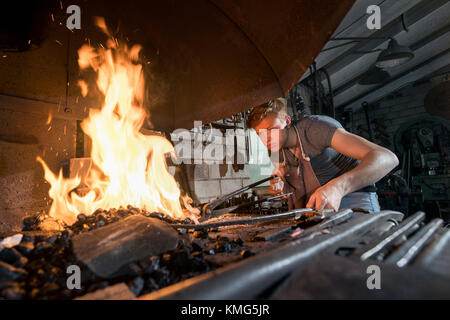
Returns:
(129, 167)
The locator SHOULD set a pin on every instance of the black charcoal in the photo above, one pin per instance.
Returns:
(25, 247)
(246, 253)
(10, 273)
(197, 245)
(238, 241)
(20, 263)
(13, 293)
(9, 255)
(136, 286)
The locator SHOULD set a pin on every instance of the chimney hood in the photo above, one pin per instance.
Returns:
(207, 59)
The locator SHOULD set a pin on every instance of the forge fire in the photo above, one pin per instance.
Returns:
(224, 150)
(129, 167)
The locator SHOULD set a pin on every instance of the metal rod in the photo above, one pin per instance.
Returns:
(404, 227)
(332, 220)
(284, 215)
(320, 216)
(411, 248)
(430, 253)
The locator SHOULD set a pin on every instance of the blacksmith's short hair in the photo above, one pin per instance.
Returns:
(277, 106)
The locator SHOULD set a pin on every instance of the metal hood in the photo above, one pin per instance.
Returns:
(210, 59)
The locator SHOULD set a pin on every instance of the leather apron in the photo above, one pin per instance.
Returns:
(300, 178)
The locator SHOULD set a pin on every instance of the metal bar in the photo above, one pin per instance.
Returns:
(249, 278)
(320, 216)
(332, 220)
(430, 253)
(376, 246)
(386, 227)
(284, 215)
(411, 248)
(209, 207)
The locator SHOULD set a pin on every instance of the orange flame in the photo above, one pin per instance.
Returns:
(129, 167)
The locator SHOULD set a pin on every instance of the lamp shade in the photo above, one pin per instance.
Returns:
(394, 55)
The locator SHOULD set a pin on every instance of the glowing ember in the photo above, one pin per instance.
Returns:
(129, 167)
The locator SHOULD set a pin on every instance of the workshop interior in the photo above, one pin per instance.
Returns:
(128, 170)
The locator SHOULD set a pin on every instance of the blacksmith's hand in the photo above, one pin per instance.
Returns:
(276, 184)
(328, 196)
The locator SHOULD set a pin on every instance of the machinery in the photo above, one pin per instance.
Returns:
(423, 145)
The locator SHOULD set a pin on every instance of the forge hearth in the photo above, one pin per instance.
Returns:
(246, 259)
(134, 248)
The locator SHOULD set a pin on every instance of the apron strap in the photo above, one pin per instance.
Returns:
(305, 157)
(309, 182)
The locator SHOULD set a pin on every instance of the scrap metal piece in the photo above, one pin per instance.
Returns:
(105, 250)
(411, 248)
(383, 242)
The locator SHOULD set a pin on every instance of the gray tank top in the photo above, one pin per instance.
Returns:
(316, 133)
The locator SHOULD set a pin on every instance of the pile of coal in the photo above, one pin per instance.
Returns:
(41, 221)
(37, 267)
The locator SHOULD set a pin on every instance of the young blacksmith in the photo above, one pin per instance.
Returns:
(323, 165)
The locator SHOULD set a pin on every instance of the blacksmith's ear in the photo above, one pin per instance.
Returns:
(288, 121)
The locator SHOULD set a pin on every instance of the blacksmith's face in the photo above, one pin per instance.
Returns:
(271, 131)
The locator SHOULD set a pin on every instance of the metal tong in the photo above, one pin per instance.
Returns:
(209, 207)
(247, 204)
